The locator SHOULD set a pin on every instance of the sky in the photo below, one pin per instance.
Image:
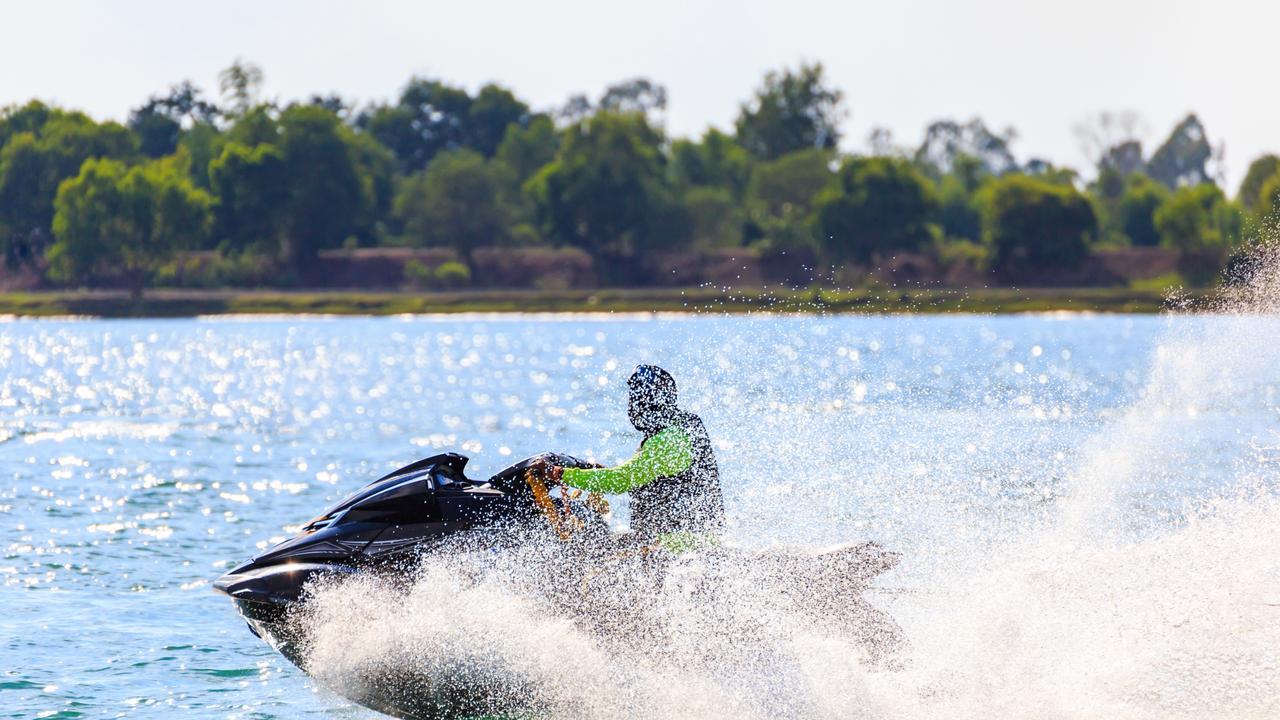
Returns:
(1039, 67)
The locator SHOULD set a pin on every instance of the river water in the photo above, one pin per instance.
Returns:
(1085, 505)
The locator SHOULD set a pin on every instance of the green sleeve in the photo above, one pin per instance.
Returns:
(670, 452)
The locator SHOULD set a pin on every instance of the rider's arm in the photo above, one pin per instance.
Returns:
(670, 452)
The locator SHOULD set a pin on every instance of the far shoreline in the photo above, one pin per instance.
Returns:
(194, 303)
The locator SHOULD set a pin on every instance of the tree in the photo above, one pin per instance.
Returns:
(881, 143)
(1260, 171)
(377, 169)
(1109, 139)
(1033, 225)
(491, 113)
(431, 117)
(334, 103)
(1136, 210)
(1184, 156)
(1047, 171)
(716, 161)
(27, 118)
(576, 109)
(160, 121)
(1197, 219)
(115, 219)
(1268, 204)
(882, 205)
(793, 180)
(251, 184)
(715, 219)
(328, 196)
(203, 144)
(241, 85)
(791, 111)
(527, 149)
(34, 162)
(781, 197)
(297, 183)
(959, 214)
(636, 95)
(460, 201)
(947, 140)
(607, 192)
(258, 125)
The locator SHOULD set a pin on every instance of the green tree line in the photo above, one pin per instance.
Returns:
(439, 166)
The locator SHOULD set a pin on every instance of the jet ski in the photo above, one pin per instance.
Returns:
(431, 506)
(382, 527)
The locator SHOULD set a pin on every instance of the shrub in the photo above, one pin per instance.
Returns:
(418, 274)
(452, 275)
(1034, 225)
(206, 269)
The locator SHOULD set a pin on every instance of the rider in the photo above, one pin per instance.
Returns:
(673, 480)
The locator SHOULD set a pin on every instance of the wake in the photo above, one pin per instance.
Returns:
(1108, 605)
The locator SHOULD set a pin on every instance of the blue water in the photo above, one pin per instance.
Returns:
(140, 459)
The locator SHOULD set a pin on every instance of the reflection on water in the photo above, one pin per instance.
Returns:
(1035, 471)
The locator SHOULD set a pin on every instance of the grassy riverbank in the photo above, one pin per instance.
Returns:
(186, 303)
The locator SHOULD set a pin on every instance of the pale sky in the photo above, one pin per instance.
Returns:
(1039, 67)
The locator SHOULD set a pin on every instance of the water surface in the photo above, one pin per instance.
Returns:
(140, 459)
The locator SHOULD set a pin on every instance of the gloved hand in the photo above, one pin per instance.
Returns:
(545, 470)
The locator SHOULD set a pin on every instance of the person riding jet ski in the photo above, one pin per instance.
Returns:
(676, 500)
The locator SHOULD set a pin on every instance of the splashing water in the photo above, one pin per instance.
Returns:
(1131, 591)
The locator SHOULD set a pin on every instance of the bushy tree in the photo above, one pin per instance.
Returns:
(203, 143)
(28, 118)
(882, 205)
(527, 149)
(260, 125)
(715, 219)
(1197, 219)
(1260, 171)
(607, 192)
(50, 148)
(1135, 212)
(493, 110)
(635, 95)
(1035, 225)
(781, 198)
(329, 194)
(1268, 203)
(252, 187)
(959, 213)
(160, 121)
(114, 219)
(793, 180)
(427, 119)
(716, 161)
(377, 168)
(792, 110)
(461, 201)
(432, 116)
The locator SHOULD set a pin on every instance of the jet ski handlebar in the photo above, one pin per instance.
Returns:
(540, 475)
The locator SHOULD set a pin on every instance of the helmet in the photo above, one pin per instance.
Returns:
(652, 404)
